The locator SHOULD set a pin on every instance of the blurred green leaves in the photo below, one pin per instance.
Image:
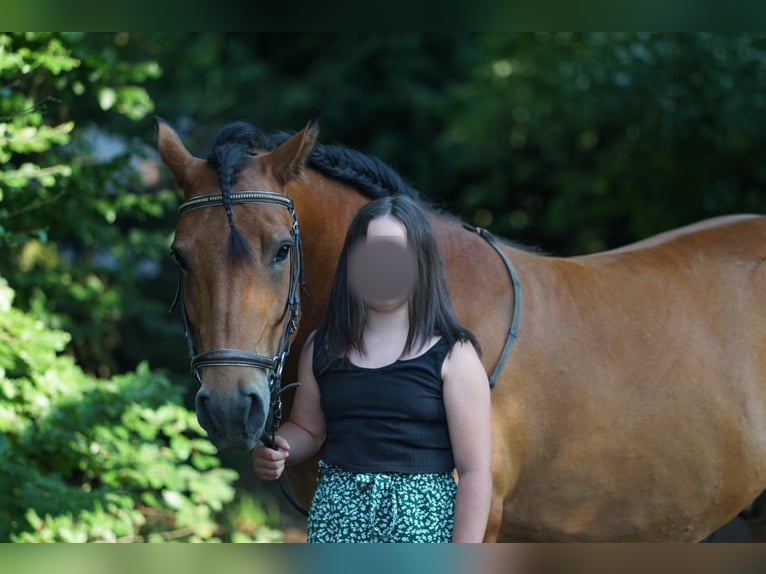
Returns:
(87, 455)
(69, 175)
(603, 139)
(574, 142)
(131, 101)
(85, 459)
(39, 50)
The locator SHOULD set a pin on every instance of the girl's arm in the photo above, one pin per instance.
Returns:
(467, 402)
(303, 435)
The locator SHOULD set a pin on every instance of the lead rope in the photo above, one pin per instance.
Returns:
(293, 301)
(269, 442)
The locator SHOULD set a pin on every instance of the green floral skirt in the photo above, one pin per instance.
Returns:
(382, 507)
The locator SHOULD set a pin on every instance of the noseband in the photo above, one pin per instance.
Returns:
(236, 357)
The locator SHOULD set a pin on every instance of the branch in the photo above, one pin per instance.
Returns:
(35, 107)
(37, 204)
(178, 533)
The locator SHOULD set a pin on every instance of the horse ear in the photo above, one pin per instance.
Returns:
(288, 160)
(174, 153)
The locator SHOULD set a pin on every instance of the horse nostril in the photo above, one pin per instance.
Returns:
(203, 411)
(256, 415)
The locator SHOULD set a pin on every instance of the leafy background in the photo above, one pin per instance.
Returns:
(570, 142)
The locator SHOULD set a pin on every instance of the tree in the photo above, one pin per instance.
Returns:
(68, 211)
(581, 142)
(85, 458)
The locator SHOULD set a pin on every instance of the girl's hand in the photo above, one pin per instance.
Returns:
(269, 463)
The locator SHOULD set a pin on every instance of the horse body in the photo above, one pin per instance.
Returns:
(635, 393)
(632, 406)
(640, 375)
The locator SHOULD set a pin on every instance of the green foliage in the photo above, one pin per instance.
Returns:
(71, 193)
(246, 517)
(21, 129)
(589, 141)
(574, 142)
(85, 459)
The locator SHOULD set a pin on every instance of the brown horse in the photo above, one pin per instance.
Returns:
(633, 405)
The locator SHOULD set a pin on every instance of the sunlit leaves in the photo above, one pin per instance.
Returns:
(115, 458)
(30, 172)
(24, 139)
(132, 101)
(44, 52)
(85, 459)
(69, 174)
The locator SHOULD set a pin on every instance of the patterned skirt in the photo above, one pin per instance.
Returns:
(381, 507)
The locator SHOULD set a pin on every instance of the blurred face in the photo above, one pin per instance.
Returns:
(382, 269)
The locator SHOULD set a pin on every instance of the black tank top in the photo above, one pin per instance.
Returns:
(387, 419)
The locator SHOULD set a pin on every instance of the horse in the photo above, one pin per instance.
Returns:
(631, 408)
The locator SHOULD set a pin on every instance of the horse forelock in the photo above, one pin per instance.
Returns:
(232, 150)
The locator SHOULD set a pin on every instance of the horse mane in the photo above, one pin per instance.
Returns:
(238, 141)
(366, 173)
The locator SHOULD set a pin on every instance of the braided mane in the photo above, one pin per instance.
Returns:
(239, 141)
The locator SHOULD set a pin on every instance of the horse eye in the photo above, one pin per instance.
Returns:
(283, 252)
(179, 260)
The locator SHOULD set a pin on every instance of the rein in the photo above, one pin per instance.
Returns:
(513, 330)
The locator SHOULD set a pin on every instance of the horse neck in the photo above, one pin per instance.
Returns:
(325, 208)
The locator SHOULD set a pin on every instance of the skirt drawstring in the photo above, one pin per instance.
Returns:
(384, 507)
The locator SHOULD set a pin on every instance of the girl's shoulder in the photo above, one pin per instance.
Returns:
(462, 358)
(308, 352)
(435, 343)
(308, 344)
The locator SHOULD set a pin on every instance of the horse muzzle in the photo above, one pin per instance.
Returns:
(233, 420)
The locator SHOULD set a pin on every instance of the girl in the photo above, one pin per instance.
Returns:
(393, 386)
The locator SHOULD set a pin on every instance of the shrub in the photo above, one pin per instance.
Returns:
(85, 459)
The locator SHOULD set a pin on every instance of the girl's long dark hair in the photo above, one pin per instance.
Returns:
(430, 309)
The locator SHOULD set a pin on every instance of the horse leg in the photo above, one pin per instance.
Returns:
(495, 518)
(302, 479)
(755, 516)
(757, 531)
(505, 472)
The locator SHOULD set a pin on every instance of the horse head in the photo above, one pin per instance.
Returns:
(238, 247)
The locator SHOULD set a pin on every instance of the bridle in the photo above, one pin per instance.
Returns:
(291, 320)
